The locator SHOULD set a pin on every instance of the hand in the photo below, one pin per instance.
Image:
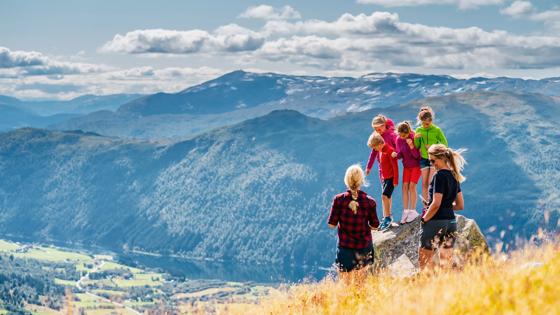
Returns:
(395, 184)
(417, 135)
(394, 155)
(367, 172)
(409, 142)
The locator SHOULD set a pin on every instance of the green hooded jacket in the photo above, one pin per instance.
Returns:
(432, 135)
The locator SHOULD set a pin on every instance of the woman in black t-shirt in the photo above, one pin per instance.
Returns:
(438, 222)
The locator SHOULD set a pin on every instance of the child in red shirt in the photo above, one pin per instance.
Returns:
(389, 174)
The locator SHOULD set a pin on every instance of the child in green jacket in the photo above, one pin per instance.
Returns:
(426, 135)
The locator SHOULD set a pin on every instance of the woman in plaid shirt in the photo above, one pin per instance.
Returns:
(354, 213)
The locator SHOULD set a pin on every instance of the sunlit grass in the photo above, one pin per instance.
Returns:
(524, 282)
(140, 280)
(116, 266)
(66, 283)
(6, 246)
(53, 255)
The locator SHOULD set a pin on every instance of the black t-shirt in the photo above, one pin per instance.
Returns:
(445, 183)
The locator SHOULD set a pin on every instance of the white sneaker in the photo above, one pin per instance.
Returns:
(411, 215)
(405, 214)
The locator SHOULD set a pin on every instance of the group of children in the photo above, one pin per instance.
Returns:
(411, 147)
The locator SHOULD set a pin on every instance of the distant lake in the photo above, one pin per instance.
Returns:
(226, 271)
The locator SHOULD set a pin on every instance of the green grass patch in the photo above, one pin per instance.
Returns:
(6, 246)
(140, 280)
(84, 267)
(115, 266)
(40, 310)
(136, 304)
(88, 301)
(210, 291)
(67, 283)
(53, 255)
(109, 292)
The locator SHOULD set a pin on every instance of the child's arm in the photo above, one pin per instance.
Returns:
(395, 172)
(413, 149)
(373, 220)
(417, 138)
(372, 157)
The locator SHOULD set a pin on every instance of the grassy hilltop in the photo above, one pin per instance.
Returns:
(525, 282)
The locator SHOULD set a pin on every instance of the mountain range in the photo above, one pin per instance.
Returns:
(16, 113)
(239, 95)
(259, 190)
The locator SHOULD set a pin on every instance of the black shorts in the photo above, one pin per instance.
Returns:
(424, 163)
(388, 187)
(436, 233)
(348, 259)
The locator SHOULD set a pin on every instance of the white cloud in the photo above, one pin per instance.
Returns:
(35, 63)
(144, 80)
(462, 4)
(550, 18)
(228, 38)
(518, 8)
(378, 38)
(267, 12)
(350, 44)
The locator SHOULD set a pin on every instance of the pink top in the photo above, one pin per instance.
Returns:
(410, 157)
(390, 138)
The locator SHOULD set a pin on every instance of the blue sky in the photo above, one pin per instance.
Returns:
(62, 49)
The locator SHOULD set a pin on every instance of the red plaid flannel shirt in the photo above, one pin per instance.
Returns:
(354, 229)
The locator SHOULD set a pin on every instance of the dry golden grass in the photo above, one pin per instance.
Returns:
(525, 282)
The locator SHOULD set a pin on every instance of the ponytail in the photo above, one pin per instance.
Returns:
(354, 203)
(454, 159)
(354, 179)
(457, 163)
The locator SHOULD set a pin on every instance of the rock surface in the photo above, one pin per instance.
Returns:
(397, 248)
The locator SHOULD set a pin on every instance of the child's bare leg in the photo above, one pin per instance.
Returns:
(405, 195)
(386, 206)
(425, 182)
(412, 192)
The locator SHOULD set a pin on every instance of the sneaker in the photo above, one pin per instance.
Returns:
(385, 224)
(412, 214)
(405, 214)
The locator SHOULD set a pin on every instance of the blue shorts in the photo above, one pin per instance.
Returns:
(348, 259)
(424, 163)
(388, 187)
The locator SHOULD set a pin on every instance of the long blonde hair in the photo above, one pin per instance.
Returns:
(454, 159)
(354, 179)
(426, 112)
(378, 120)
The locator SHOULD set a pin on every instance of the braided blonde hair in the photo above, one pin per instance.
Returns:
(354, 179)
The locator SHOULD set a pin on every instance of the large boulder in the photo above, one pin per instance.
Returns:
(397, 248)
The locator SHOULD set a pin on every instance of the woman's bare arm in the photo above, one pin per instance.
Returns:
(434, 207)
(459, 202)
